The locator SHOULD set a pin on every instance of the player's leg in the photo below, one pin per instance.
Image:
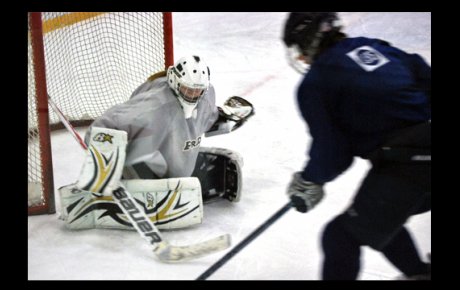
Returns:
(402, 253)
(341, 253)
(388, 196)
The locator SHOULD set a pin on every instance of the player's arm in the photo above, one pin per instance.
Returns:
(234, 113)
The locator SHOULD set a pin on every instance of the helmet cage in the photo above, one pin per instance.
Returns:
(190, 94)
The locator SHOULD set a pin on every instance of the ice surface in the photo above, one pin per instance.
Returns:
(246, 58)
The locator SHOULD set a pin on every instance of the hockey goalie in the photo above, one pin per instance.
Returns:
(151, 146)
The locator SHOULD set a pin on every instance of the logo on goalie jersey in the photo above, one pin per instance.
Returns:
(102, 137)
(190, 144)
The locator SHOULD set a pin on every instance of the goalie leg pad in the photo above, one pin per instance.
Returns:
(104, 161)
(219, 171)
(172, 203)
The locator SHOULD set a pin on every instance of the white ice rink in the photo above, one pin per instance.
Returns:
(247, 58)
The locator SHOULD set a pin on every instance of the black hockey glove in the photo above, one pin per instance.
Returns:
(304, 195)
(238, 110)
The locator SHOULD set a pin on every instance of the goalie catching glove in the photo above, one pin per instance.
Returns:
(237, 109)
(232, 115)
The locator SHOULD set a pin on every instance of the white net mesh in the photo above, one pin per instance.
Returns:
(93, 61)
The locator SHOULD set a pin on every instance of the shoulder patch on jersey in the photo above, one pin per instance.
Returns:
(368, 58)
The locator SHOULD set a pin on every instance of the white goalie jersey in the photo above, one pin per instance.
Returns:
(162, 143)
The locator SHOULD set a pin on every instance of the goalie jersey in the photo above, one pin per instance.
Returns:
(161, 142)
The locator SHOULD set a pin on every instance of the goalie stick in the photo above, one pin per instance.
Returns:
(164, 251)
(66, 123)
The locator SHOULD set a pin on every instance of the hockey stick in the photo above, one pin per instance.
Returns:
(144, 226)
(245, 242)
(66, 123)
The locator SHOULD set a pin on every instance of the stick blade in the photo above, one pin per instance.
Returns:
(176, 254)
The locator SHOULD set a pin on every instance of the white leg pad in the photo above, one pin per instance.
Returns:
(172, 203)
(104, 161)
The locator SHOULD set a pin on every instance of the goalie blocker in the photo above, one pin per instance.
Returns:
(219, 172)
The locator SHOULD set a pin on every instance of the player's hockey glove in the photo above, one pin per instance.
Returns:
(304, 195)
(238, 110)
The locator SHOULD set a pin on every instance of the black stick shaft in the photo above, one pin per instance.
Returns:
(245, 242)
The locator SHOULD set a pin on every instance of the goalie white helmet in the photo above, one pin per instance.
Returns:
(189, 79)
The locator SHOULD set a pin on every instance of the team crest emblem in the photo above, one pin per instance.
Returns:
(368, 58)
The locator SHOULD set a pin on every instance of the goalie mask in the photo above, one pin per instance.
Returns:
(189, 79)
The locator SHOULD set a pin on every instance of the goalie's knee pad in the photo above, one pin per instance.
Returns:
(219, 172)
(169, 203)
(104, 161)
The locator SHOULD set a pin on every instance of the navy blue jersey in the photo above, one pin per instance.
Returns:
(355, 94)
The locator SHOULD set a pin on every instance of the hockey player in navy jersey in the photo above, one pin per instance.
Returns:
(152, 145)
(362, 97)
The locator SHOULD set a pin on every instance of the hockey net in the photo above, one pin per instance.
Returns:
(86, 62)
